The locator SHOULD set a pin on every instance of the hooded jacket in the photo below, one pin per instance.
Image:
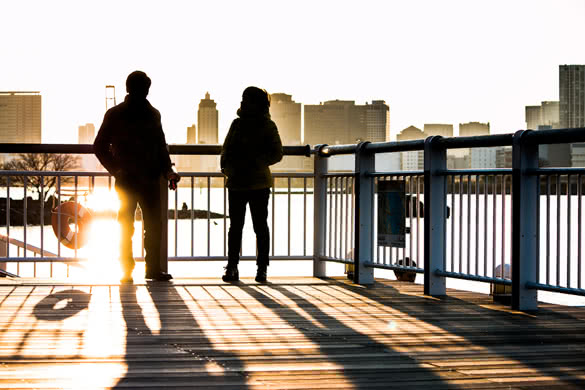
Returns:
(131, 144)
(250, 147)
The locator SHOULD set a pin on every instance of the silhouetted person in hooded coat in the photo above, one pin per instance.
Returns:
(250, 147)
(131, 146)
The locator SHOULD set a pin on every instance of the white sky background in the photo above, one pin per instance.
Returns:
(431, 61)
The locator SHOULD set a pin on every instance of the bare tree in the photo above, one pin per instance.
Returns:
(40, 162)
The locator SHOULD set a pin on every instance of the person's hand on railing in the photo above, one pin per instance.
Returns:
(173, 177)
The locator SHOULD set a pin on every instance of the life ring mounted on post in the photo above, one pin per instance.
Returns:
(65, 213)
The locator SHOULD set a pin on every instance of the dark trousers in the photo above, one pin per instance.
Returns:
(258, 201)
(147, 195)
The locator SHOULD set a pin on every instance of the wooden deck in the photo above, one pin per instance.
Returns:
(294, 333)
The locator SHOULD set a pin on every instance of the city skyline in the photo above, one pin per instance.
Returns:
(432, 62)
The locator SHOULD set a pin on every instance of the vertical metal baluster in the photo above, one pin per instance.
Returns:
(477, 224)
(8, 216)
(411, 211)
(75, 221)
(24, 205)
(176, 218)
(568, 230)
(273, 217)
(494, 221)
(352, 236)
(418, 262)
(289, 214)
(224, 218)
(485, 224)
(42, 211)
(461, 223)
(347, 245)
(193, 216)
(547, 229)
(304, 216)
(59, 216)
(343, 229)
(383, 249)
(336, 223)
(330, 202)
(469, 224)
(503, 259)
(452, 223)
(559, 230)
(579, 217)
(208, 216)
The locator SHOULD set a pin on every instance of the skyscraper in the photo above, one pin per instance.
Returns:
(572, 96)
(207, 121)
(20, 117)
(472, 129)
(344, 122)
(411, 161)
(286, 113)
(572, 106)
(191, 134)
(86, 133)
(547, 114)
(377, 121)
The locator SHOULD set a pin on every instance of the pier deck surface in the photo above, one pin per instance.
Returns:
(293, 333)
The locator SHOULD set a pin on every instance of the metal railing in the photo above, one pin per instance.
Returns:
(486, 225)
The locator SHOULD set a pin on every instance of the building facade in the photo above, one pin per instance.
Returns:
(286, 113)
(472, 129)
(86, 133)
(192, 134)
(572, 96)
(411, 161)
(444, 130)
(207, 121)
(547, 114)
(20, 117)
(377, 121)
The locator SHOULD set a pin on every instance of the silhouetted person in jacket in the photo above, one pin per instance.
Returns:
(251, 146)
(131, 146)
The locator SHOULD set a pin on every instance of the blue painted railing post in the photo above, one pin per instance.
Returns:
(435, 161)
(319, 212)
(525, 198)
(364, 215)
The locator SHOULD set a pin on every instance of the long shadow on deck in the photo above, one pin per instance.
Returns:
(517, 336)
(178, 357)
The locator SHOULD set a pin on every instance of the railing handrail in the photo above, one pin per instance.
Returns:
(296, 150)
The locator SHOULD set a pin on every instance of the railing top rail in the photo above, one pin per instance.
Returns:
(556, 136)
(300, 150)
(480, 141)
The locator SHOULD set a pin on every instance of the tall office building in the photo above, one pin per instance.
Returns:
(207, 121)
(191, 134)
(572, 96)
(547, 114)
(286, 113)
(443, 130)
(377, 121)
(572, 106)
(20, 117)
(86, 134)
(472, 129)
(344, 122)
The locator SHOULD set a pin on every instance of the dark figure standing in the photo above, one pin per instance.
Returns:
(131, 146)
(251, 146)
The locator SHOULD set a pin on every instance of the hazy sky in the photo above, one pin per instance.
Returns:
(431, 61)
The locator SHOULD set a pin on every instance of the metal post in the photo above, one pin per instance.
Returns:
(319, 212)
(364, 190)
(524, 227)
(435, 161)
(164, 199)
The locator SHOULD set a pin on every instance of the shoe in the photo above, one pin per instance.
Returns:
(127, 278)
(161, 276)
(261, 274)
(231, 274)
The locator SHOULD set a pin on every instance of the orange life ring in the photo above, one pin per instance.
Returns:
(66, 214)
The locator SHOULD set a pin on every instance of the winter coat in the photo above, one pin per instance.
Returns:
(250, 147)
(131, 144)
